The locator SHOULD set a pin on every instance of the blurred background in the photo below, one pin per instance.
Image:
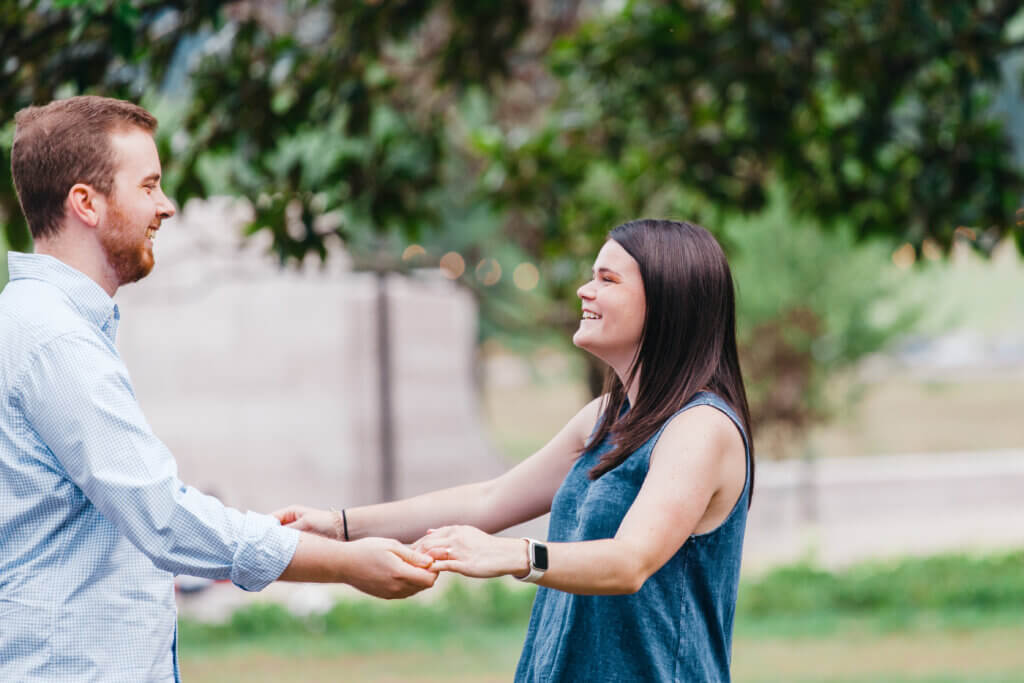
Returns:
(387, 207)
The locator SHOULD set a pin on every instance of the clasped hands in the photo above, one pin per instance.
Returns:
(461, 549)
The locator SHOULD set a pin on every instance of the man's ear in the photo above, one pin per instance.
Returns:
(85, 204)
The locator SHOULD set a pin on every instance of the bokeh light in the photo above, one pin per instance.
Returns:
(526, 276)
(931, 250)
(965, 233)
(905, 256)
(488, 272)
(452, 265)
(413, 251)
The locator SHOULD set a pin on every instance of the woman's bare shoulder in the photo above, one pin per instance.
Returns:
(701, 427)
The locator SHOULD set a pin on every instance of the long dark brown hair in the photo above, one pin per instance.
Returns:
(688, 341)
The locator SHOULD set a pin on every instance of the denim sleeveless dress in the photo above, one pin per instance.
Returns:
(677, 627)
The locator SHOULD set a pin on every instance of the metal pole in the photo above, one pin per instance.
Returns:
(809, 487)
(385, 414)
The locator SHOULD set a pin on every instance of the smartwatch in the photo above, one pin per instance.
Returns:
(538, 553)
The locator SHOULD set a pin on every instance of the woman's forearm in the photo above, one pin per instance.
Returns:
(408, 519)
(517, 496)
(604, 567)
(492, 505)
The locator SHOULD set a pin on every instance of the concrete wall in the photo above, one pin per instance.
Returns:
(838, 511)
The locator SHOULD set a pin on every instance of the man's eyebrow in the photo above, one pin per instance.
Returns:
(151, 178)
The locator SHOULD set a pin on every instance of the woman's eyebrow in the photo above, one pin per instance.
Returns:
(602, 270)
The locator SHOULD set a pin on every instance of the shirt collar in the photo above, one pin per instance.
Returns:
(91, 300)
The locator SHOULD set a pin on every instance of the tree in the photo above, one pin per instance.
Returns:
(875, 116)
(872, 112)
(325, 113)
(65, 48)
(544, 123)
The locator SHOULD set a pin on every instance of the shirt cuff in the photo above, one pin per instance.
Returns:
(265, 550)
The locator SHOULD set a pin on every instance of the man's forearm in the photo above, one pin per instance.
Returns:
(317, 560)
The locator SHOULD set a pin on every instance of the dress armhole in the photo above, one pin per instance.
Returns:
(719, 404)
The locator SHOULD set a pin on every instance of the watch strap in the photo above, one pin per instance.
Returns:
(535, 571)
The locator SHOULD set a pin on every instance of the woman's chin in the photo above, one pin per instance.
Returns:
(581, 341)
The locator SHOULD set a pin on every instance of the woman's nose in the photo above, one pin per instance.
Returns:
(584, 292)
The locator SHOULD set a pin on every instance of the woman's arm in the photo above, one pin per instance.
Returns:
(519, 495)
(692, 482)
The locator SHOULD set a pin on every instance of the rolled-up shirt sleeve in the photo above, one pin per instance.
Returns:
(78, 399)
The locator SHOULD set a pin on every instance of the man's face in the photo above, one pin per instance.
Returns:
(136, 206)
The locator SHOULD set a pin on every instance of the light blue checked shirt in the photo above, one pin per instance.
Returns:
(94, 521)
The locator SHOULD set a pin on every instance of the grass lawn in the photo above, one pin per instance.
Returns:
(944, 618)
(852, 651)
(310, 660)
(981, 655)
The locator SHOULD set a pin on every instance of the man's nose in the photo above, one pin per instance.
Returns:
(166, 208)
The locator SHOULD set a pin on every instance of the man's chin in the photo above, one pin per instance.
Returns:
(143, 267)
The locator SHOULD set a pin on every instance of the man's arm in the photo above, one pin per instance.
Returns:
(78, 399)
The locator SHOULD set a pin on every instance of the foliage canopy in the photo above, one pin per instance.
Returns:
(535, 126)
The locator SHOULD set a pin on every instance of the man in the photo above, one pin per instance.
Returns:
(94, 522)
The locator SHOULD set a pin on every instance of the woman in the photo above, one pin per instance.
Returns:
(648, 486)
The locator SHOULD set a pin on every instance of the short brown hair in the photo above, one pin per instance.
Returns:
(63, 143)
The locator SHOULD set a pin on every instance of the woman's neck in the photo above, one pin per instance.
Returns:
(632, 388)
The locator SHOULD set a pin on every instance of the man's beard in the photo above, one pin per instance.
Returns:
(126, 247)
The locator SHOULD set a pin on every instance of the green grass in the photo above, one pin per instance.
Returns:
(944, 618)
(948, 583)
(480, 614)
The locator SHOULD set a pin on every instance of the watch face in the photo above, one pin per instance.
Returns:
(540, 556)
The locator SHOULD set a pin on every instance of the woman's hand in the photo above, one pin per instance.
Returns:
(471, 552)
(321, 522)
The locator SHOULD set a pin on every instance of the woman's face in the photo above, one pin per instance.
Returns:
(614, 308)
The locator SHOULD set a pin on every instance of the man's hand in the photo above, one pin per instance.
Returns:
(385, 568)
(320, 522)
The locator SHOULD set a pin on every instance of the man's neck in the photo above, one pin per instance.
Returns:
(81, 254)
